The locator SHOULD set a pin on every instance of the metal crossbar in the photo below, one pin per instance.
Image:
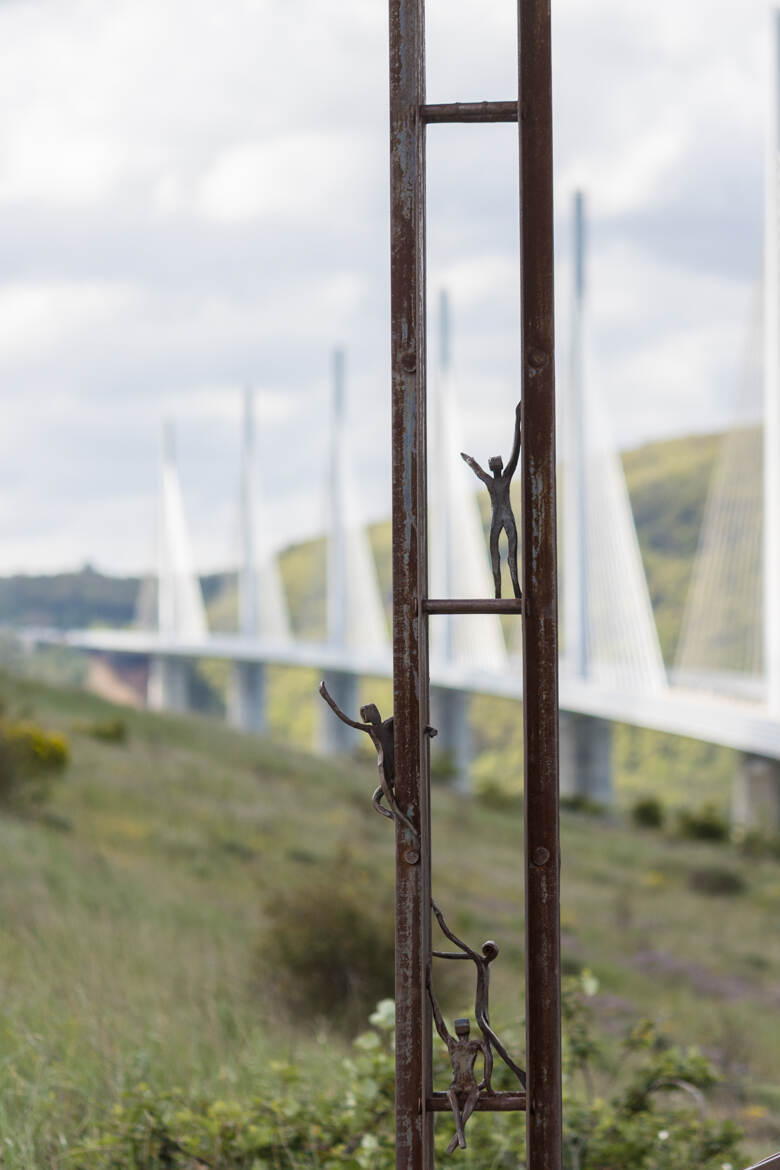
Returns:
(416, 1101)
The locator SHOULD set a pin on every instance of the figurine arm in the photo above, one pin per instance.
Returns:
(344, 718)
(438, 1020)
(475, 467)
(512, 464)
(468, 953)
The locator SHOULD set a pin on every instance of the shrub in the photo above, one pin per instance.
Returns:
(327, 950)
(106, 730)
(717, 880)
(579, 803)
(755, 843)
(648, 813)
(704, 824)
(29, 758)
(650, 1116)
(443, 767)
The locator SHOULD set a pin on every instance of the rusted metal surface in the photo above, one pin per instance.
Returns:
(472, 605)
(495, 1103)
(416, 1101)
(498, 484)
(470, 112)
(540, 610)
(414, 1124)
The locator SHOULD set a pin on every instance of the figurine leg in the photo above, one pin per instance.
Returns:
(460, 1138)
(469, 1107)
(511, 535)
(495, 560)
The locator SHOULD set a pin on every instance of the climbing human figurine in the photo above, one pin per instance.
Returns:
(482, 998)
(464, 1091)
(502, 515)
(382, 735)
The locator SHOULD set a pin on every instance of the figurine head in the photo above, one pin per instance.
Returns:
(370, 713)
(490, 950)
(496, 464)
(462, 1027)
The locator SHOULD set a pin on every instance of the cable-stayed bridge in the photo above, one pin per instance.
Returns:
(725, 684)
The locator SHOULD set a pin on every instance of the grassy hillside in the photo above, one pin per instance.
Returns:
(132, 909)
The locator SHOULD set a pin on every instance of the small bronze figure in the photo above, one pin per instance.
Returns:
(382, 736)
(482, 998)
(464, 1091)
(502, 515)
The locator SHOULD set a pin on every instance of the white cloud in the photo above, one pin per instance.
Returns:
(36, 316)
(290, 177)
(195, 196)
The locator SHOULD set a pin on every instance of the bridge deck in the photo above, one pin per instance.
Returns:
(746, 726)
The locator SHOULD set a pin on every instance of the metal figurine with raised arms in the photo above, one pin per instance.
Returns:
(502, 515)
(381, 734)
(482, 997)
(464, 1091)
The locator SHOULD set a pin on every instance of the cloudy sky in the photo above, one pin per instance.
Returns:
(193, 197)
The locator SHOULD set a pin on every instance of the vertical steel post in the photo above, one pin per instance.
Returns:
(540, 616)
(414, 1129)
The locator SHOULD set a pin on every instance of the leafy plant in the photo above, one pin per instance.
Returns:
(645, 1110)
(717, 880)
(648, 813)
(332, 939)
(29, 758)
(112, 730)
(704, 824)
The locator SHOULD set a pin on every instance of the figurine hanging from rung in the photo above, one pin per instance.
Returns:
(464, 1091)
(502, 517)
(381, 733)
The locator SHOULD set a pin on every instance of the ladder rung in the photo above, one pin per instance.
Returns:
(471, 605)
(493, 1103)
(470, 112)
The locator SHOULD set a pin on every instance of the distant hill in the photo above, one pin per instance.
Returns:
(667, 482)
(82, 598)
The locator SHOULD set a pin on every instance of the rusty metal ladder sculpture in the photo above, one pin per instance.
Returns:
(409, 118)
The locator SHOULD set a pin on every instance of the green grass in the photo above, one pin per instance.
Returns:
(131, 908)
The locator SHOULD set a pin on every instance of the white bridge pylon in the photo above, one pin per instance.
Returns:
(262, 607)
(609, 633)
(356, 616)
(730, 637)
(458, 557)
(181, 614)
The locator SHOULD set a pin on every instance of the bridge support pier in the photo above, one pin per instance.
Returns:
(247, 707)
(586, 758)
(756, 794)
(334, 738)
(168, 686)
(450, 717)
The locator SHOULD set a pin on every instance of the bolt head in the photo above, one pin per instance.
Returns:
(411, 856)
(541, 855)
